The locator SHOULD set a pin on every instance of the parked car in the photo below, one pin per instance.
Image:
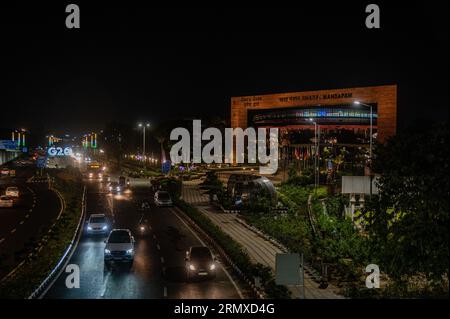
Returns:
(6, 201)
(119, 247)
(200, 263)
(97, 224)
(12, 191)
(162, 198)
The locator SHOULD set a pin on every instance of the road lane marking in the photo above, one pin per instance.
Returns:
(21, 222)
(2, 240)
(154, 236)
(105, 283)
(157, 246)
(201, 241)
(30, 210)
(26, 216)
(165, 291)
(162, 259)
(13, 231)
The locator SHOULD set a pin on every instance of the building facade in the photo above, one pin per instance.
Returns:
(331, 109)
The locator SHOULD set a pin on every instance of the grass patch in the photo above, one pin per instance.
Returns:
(37, 267)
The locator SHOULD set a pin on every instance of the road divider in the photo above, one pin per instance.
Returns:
(232, 253)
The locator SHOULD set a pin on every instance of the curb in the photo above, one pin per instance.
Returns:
(48, 282)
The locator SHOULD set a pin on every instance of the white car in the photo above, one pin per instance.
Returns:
(162, 198)
(12, 191)
(119, 247)
(6, 201)
(97, 224)
(114, 188)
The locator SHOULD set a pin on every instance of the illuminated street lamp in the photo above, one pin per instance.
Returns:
(371, 125)
(143, 140)
(316, 148)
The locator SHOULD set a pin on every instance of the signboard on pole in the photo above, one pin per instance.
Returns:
(8, 145)
(165, 167)
(358, 185)
(41, 161)
(288, 269)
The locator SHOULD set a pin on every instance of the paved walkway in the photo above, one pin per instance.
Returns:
(259, 249)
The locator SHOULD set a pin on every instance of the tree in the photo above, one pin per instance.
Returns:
(408, 223)
(118, 139)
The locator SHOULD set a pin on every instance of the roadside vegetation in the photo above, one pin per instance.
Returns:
(404, 230)
(43, 255)
(232, 248)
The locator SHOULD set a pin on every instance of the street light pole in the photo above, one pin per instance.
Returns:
(371, 143)
(316, 145)
(143, 140)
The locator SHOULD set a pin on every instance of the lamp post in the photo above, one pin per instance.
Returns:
(316, 151)
(371, 143)
(143, 139)
(371, 125)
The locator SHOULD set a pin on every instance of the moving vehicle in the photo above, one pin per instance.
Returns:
(143, 226)
(124, 182)
(6, 201)
(200, 263)
(119, 247)
(145, 206)
(105, 178)
(114, 188)
(97, 224)
(162, 198)
(12, 191)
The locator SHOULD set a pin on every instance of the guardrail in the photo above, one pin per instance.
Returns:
(258, 293)
(46, 284)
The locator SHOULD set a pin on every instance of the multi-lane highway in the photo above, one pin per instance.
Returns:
(22, 225)
(158, 270)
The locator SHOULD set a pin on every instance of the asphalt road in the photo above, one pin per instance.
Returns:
(158, 270)
(21, 225)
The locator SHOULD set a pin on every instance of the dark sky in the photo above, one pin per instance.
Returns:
(130, 63)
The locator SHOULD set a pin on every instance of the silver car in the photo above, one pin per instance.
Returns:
(97, 225)
(162, 198)
(119, 247)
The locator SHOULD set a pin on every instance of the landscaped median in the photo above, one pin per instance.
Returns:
(47, 252)
(236, 253)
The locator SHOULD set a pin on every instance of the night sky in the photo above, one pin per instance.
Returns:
(134, 63)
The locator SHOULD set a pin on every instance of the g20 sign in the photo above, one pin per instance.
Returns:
(59, 151)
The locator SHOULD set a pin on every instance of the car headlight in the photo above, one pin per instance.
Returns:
(105, 227)
(191, 267)
(89, 228)
(212, 267)
(107, 251)
(129, 251)
(142, 228)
